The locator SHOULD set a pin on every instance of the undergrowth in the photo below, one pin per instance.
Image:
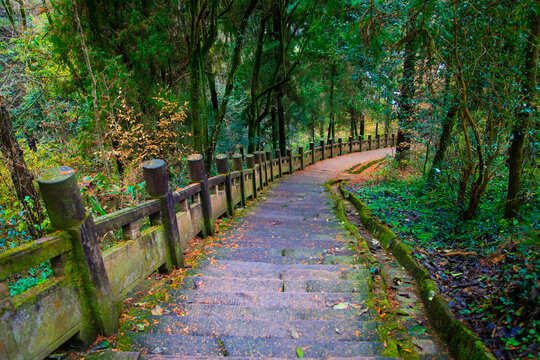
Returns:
(495, 286)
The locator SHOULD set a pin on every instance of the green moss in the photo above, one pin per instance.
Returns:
(365, 166)
(462, 342)
(398, 344)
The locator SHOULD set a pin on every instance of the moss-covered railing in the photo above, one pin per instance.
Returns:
(83, 297)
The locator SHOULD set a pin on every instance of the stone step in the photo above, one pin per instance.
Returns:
(321, 330)
(308, 205)
(275, 313)
(270, 235)
(284, 243)
(159, 357)
(286, 221)
(288, 216)
(212, 284)
(283, 256)
(165, 344)
(243, 269)
(293, 300)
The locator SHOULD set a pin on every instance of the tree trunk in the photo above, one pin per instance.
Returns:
(353, 122)
(20, 175)
(273, 119)
(362, 124)
(212, 87)
(94, 89)
(194, 78)
(281, 122)
(406, 102)
(444, 142)
(331, 130)
(519, 132)
(212, 137)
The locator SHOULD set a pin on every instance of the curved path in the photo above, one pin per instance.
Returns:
(285, 284)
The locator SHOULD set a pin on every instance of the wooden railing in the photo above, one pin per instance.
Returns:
(83, 297)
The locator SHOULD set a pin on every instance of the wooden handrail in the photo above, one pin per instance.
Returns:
(34, 253)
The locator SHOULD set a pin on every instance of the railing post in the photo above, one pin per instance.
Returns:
(301, 152)
(250, 164)
(291, 165)
(386, 140)
(369, 142)
(258, 161)
(269, 159)
(278, 156)
(331, 143)
(66, 211)
(393, 140)
(222, 166)
(5, 296)
(340, 142)
(378, 141)
(351, 144)
(197, 174)
(312, 148)
(322, 150)
(157, 186)
(265, 164)
(360, 140)
(238, 165)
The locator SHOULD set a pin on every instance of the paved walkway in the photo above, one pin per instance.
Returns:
(285, 284)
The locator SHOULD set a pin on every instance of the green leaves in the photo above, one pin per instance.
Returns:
(300, 353)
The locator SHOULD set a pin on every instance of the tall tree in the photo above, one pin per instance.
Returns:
(529, 92)
(20, 175)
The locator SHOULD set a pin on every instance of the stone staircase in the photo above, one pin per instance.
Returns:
(285, 285)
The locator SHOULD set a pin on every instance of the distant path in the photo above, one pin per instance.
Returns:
(273, 286)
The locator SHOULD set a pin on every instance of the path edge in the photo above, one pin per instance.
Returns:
(462, 342)
(393, 334)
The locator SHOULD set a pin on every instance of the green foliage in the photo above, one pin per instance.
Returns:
(21, 282)
(104, 195)
(433, 218)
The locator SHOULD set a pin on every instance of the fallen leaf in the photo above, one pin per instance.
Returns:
(341, 306)
(300, 353)
(158, 310)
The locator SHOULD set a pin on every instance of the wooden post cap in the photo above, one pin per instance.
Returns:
(196, 167)
(268, 155)
(250, 161)
(222, 164)
(237, 162)
(278, 154)
(155, 175)
(257, 155)
(62, 197)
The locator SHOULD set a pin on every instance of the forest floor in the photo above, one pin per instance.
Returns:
(494, 290)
